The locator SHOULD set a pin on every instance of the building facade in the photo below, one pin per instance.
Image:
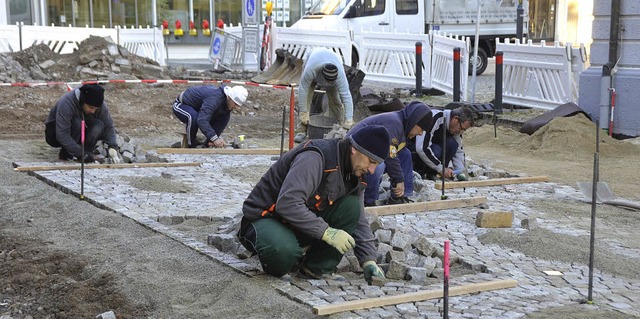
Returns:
(598, 82)
(111, 13)
(561, 20)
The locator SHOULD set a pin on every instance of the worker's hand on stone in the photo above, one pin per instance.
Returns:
(88, 158)
(339, 239)
(448, 173)
(114, 156)
(348, 123)
(371, 269)
(217, 143)
(398, 189)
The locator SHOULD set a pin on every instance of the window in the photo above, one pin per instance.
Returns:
(20, 11)
(373, 7)
(406, 7)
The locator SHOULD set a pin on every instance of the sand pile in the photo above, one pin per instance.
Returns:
(563, 136)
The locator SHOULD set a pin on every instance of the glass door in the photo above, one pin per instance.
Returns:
(542, 19)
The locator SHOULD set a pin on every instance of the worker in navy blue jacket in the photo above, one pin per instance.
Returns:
(208, 108)
(428, 147)
(402, 125)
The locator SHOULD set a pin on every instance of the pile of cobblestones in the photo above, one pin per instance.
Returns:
(96, 58)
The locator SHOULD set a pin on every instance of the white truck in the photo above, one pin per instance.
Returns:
(497, 20)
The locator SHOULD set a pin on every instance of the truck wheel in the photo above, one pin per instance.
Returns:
(481, 65)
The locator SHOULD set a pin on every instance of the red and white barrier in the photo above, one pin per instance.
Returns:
(66, 84)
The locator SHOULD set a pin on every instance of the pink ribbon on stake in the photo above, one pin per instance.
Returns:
(82, 132)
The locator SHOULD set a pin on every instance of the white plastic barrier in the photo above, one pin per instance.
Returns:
(63, 40)
(442, 63)
(301, 42)
(386, 58)
(147, 43)
(391, 58)
(539, 76)
(9, 38)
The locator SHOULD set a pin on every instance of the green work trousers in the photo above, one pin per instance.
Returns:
(280, 247)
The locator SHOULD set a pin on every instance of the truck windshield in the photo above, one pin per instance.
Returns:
(327, 7)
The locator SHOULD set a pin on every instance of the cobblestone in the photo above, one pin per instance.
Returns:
(163, 212)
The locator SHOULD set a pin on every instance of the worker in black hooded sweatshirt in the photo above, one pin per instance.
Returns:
(63, 125)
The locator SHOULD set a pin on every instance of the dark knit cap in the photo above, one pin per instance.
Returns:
(330, 72)
(92, 94)
(372, 141)
(426, 121)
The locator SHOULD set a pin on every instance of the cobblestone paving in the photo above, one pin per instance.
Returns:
(215, 194)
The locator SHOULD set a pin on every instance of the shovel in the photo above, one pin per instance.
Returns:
(604, 195)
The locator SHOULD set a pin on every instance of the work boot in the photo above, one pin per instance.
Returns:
(64, 155)
(300, 137)
(395, 201)
(372, 204)
(301, 132)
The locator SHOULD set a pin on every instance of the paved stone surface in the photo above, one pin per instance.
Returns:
(217, 195)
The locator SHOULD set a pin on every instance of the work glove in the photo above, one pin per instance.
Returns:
(88, 158)
(114, 156)
(348, 124)
(304, 118)
(371, 270)
(339, 239)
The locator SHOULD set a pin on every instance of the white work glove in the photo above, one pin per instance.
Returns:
(114, 156)
(339, 239)
(304, 118)
(348, 124)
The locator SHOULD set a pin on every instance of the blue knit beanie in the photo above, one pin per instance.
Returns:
(372, 141)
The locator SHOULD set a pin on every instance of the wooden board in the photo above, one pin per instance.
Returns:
(110, 166)
(426, 206)
(493, 182)
(226, 151)
(413, 297)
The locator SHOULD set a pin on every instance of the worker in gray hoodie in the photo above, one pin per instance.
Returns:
(307, 209)
(324, 68)
(63, 126)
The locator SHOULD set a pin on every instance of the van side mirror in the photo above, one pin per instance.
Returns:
(352, 13)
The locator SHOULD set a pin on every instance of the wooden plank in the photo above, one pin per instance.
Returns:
(413, 297)
(426, 206)
(226, 151)
(110, 166)
(493, 182)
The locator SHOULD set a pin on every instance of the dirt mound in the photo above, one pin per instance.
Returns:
(35, 55)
